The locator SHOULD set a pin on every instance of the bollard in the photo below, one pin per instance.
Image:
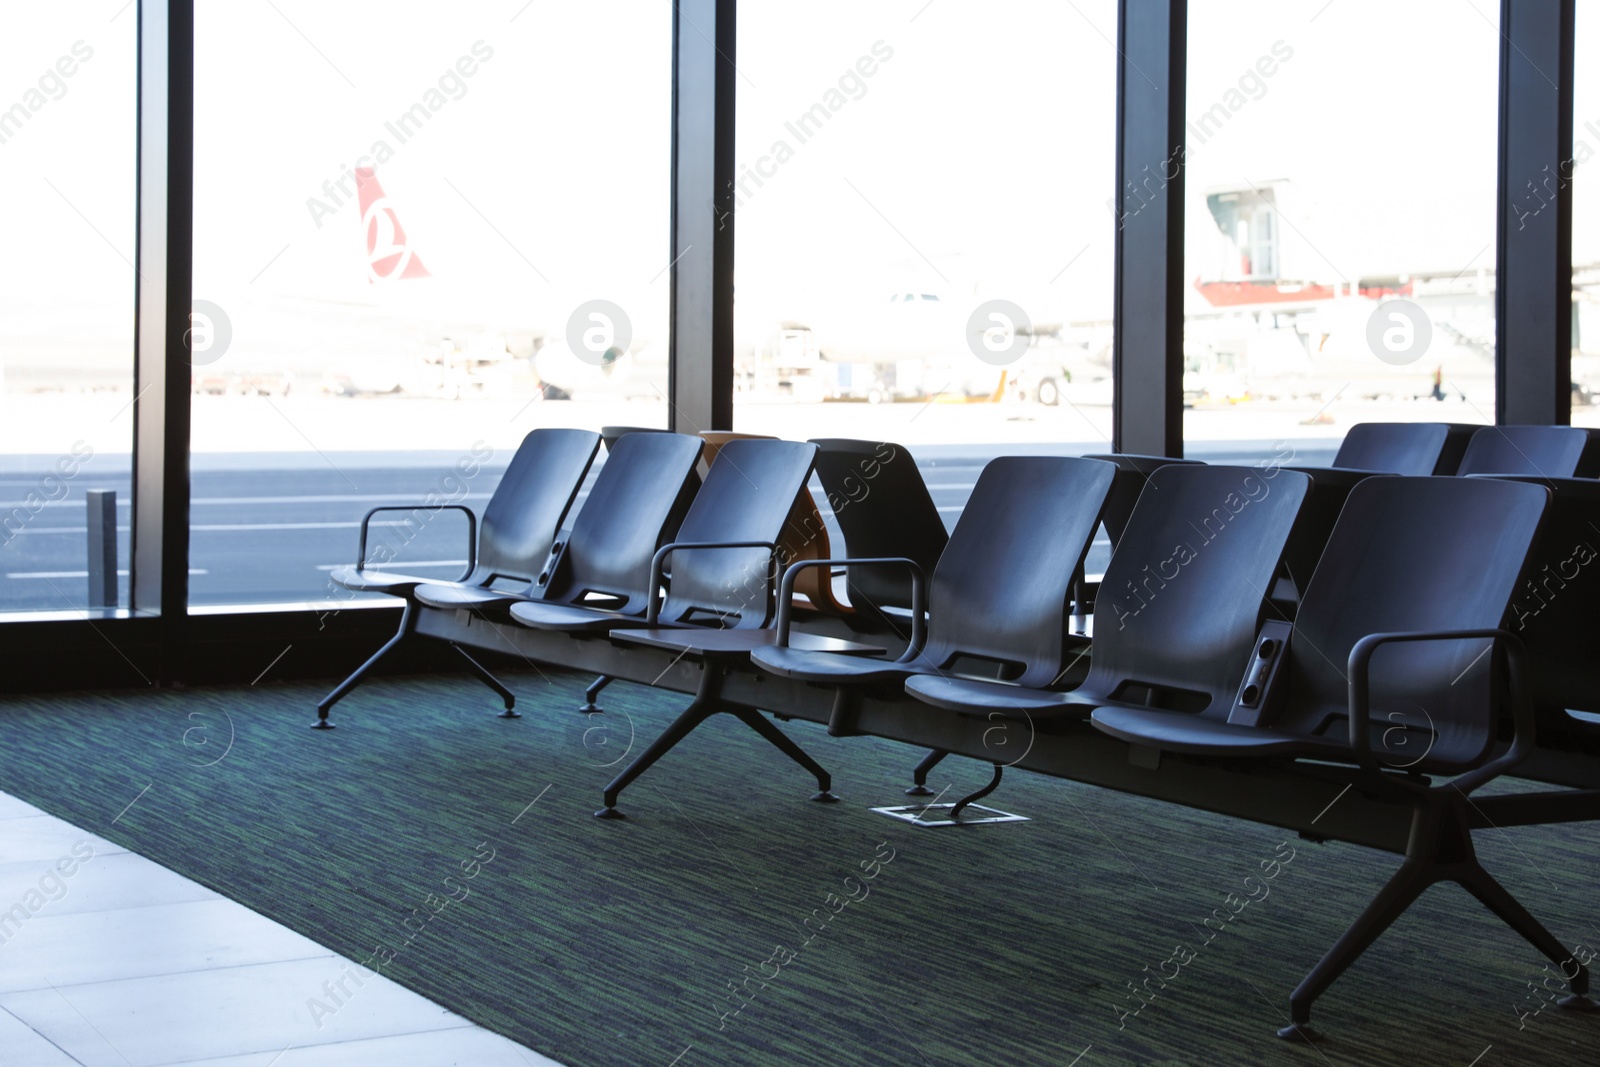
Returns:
(100, 507)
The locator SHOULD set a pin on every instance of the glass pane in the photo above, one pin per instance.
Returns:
(1586, 219)
(67, 130)
(393, 248)
(1340, 231)
(924, 240)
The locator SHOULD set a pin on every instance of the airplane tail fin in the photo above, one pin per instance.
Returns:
(389, 253)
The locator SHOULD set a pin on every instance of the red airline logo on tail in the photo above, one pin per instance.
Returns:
(389, 255)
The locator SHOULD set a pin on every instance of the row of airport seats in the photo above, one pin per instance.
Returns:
(1431, 637)
(656, 488)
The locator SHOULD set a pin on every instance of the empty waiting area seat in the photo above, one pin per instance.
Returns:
(1546, 451)
(520, 523)
(883, 508)
(1412, 448)
(1389, 670)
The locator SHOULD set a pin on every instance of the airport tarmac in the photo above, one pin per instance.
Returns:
(48, 423)
(280, 484)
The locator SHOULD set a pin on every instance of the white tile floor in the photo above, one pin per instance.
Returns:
(113, 960)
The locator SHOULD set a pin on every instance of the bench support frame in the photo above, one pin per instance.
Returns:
(1431, 829)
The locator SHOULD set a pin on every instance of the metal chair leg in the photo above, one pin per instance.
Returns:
(1494, 896)
(708, 702)
(407, 621)
(1440, 850)
(589, 706)
(919, 773)
(492, 682)
(844, 713)
(785, 744)
(696, 713)
(1392, 900)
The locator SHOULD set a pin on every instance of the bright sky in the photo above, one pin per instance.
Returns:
(976, 157)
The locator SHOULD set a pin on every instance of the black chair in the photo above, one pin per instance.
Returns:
(1387, 672)
(1409, 448)
(1133, 471)
(648, 494)
(637, 504)
(883, 508)
(721, 563)
(600, 575)
(520, 524)
(723, 583)
(998, 599)
(1179, 608)
(804, 535)
(1405, 448)
(1542, 451)
(1330, 488)
(610, 435)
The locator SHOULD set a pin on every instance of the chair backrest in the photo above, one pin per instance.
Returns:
(531, 502)
(1413, 554)
(1133, 472)
(1455, 446)
(883, 508)
(1543, 451)
(805, 536)
(747, 496)
(636, 505)
(1554, 608)
(1330, 486)
(1182, 599)
(610, 435)
(715, 439)
(1002, 586)
(1410, 448)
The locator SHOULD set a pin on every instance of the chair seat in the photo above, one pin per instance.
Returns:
(696, 640)
(450, 595)
(976, 696)
(368, 581)
(1194, 735)
(808, 666)
(540, 615)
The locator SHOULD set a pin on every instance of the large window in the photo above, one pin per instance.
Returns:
(1340, 227)
(421, 231)
(1585, 176)
(67, 179)
(924, 243)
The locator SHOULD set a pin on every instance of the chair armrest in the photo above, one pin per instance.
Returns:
(1522, 740)
(658, 562)
(472, 532)
(919, 595)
